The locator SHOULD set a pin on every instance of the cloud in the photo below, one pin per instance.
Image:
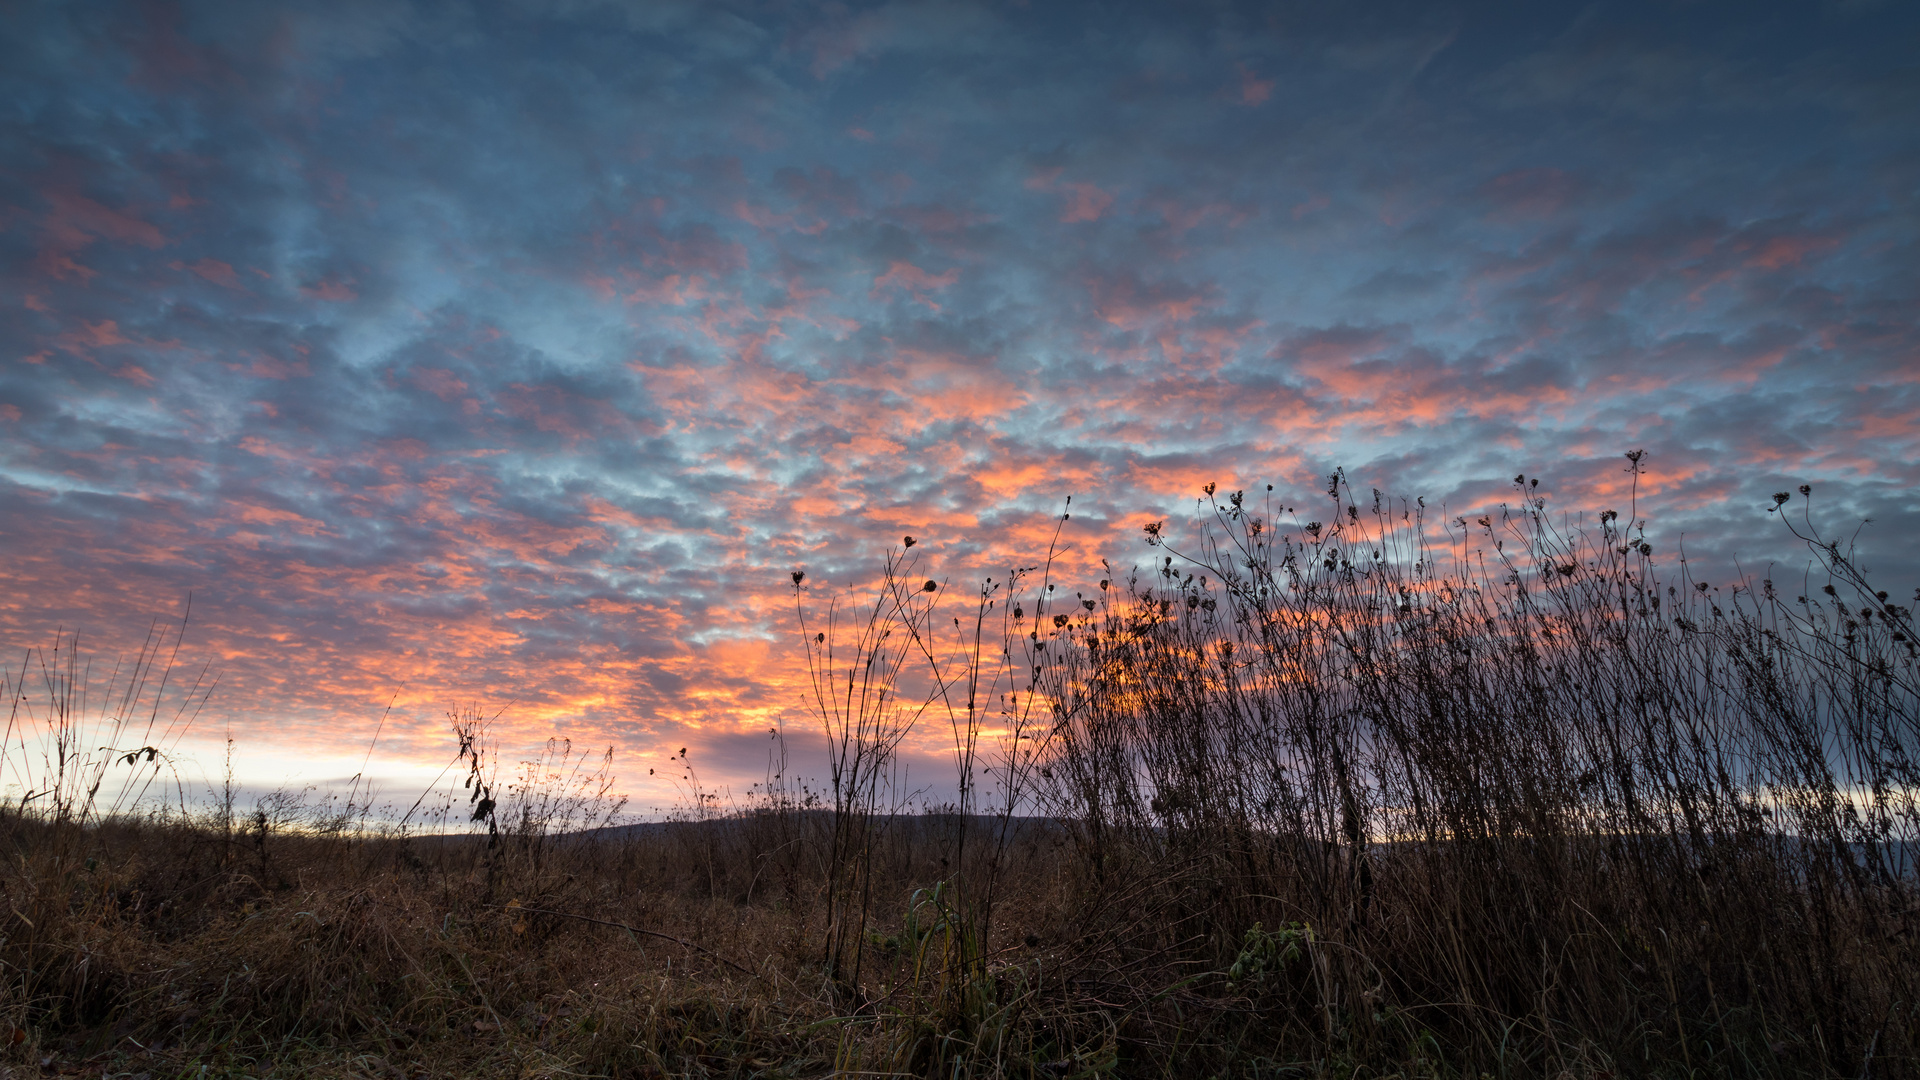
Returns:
(469, 363)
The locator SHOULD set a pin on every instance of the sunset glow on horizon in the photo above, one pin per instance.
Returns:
(514, 355)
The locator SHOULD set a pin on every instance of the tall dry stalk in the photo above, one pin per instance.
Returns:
(856, 665)
(906, 654)
(1526, 787)
(67, 729)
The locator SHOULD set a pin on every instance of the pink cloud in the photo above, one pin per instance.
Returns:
(1531, 194)
(558, 412)
(73, 222)
(97, 335)
(72, 210)
(1043, 179)
(1084, 201)
(1184, 217)
(272, 367)
(167, 60)
(763, 217)
(440, 382)
(822, 192)
(1779, 252)
(939, 219)
(330, 288)
(212, 270)
(913, 280)
(688, 251)
(102, 333)
(1129, 303)
(1253, 90)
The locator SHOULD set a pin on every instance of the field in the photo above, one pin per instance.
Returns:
(1305, 799)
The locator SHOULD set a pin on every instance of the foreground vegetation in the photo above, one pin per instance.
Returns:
(1368, 796)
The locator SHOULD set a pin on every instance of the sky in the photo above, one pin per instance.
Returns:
(511, 355)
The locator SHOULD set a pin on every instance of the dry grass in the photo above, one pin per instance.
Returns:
(1308, 800)
(163, 945)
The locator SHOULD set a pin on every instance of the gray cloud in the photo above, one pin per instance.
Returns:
(520, 351)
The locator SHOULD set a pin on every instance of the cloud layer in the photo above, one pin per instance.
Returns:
(516, 352)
